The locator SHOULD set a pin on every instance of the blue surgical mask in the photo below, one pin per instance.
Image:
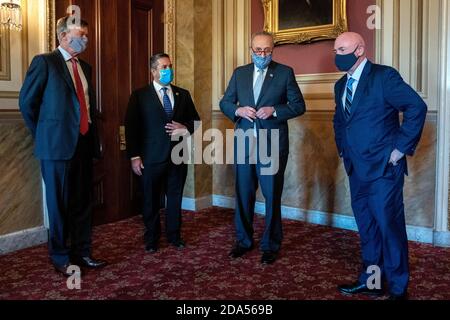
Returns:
(260, 61)
(78, 44)
(344, 62)
(166, 76)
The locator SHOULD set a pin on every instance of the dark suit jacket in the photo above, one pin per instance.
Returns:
(367, 139)
(146, 120)
(280, 90)
(49, 105)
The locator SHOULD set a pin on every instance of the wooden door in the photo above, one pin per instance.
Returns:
(123, 34)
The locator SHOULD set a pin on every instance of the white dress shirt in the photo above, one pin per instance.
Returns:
(256, 74)
(255, 78)
(357, 76)
(67, 57)
(160, 91)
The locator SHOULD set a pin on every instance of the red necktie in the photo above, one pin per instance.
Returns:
(84, 125)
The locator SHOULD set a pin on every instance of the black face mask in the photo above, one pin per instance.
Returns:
(344, 62)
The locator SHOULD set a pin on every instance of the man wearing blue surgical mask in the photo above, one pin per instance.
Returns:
(260, 99)
(58, 104)
(374, 144)
(156, 113)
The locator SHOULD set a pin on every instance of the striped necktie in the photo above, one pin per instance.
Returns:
(349, 97)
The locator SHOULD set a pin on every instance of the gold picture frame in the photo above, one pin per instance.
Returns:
(332, 25)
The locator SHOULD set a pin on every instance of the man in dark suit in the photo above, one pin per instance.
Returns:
(155, 114)
(373, 144)
(262, 95)
(58, 104)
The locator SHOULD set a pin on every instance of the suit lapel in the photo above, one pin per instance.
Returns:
(360, 89)
(62, 66)
(249, 82)
(340, 93)
(154, 98)
(267, 81)
(176, 98)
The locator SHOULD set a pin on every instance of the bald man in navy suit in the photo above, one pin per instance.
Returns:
(374, 144)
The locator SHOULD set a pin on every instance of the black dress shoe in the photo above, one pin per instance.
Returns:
(398, 297)
(89, 263)
(269, 257)
(64, 270)
(180, 244)
(358, 287)
(151, 248)
(239, 251)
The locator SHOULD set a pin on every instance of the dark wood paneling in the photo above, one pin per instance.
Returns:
(122, 36)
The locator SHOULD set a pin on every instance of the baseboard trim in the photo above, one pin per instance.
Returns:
(196, 204)
(335, 220)
(442, 239)
(22, 239)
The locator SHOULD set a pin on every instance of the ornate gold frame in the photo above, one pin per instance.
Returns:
(309, 34)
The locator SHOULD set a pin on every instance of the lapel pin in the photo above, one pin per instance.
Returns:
(177, 93)
(271, 75)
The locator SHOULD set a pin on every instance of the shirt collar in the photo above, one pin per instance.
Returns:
(66, 55)
(358, 72)
(158, 87)
(264, 70)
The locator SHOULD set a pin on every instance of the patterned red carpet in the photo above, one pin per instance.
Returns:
(313, 261)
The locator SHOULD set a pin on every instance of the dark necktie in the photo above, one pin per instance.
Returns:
(84, 122)
(349, 97)
(167, 104)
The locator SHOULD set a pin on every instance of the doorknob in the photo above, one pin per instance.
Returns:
(122, 140)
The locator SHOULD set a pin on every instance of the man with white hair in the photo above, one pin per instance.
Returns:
(57, 102)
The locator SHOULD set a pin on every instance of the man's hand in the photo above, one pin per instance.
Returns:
(265, 113)
(176, 128)
(137, 166)
(248, 113)
(396, 156)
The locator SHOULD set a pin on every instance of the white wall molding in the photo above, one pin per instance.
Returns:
(443, 149)
(196, 204)
(231, 42)
(340, 221)
(22, 239)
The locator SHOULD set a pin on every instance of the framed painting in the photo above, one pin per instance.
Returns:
(304, 21)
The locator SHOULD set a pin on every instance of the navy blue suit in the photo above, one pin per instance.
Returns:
(281, 91)
(365, 141)
(50, 108)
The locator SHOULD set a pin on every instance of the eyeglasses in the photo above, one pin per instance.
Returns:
(260, 51)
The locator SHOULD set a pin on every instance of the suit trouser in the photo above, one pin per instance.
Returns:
(379, 212)
(169, 179)
(247, 177)
(68, 186)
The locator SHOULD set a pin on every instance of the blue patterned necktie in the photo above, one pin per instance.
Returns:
(167, 104)
(258, 85)
(349, 97)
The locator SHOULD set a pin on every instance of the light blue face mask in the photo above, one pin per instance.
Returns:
(166, 76)
(260, 61)
(78, 44)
